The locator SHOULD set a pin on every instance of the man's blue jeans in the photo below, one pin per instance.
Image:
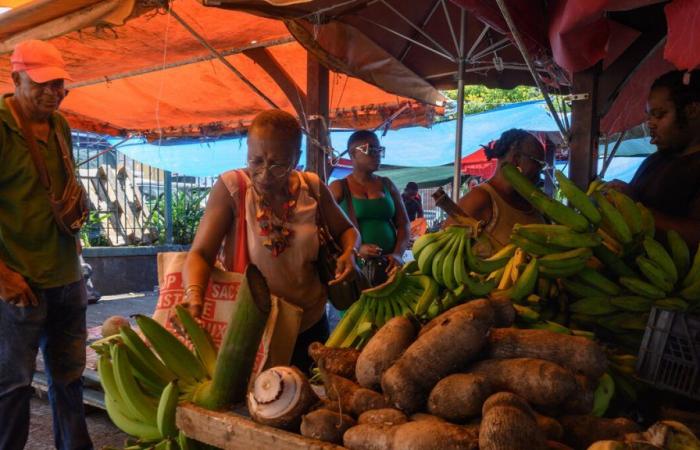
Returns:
(57, 326)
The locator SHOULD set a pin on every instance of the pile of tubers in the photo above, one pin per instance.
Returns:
(464, 380)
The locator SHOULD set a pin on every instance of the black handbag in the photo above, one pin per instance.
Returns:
(344, 294)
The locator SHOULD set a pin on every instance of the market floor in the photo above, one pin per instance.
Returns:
(102, 431)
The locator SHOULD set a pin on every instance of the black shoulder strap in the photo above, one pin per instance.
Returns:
(347, 195)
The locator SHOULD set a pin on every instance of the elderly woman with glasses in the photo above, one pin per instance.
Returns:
(281, 238)
(374, 205)
(495, 202)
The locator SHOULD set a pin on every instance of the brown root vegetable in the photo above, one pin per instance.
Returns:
(501, 316)
(446, 348)
(280, 396)
(433, 435)
(420, 435)
(353, 398)
(542, 383)
(551, 428)
(459, 397)
(580, 431)
(418, 417)
(339, 361)
(326, 425)
(383, 349)
(576, 353)
(369, 437)
(508, 423)
(581, 400)
(554, 445)
(384, 416)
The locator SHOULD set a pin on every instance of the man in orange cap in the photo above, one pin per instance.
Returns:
(42, 293)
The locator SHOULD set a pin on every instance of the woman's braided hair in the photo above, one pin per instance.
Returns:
(505, 142)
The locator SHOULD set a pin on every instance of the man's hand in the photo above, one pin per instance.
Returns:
(15, 290)
(369, 250)
(620, 186)
(344, 268)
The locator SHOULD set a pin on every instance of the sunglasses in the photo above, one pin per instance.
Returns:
(367, 149)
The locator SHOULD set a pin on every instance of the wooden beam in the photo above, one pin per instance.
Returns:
(585, 124)
(316, 116)
(614, 78)
(264, 58)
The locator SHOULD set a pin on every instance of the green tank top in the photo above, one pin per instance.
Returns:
(375, 219)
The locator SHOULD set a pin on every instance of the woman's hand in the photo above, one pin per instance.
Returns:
(15, 290)
(345, 266)
(395, 260)
(369, 251)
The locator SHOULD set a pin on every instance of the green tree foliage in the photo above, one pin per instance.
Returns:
(481, 98)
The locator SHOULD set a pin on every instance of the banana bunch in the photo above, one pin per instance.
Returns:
(449, 257)
(404, 293)
(143, 387)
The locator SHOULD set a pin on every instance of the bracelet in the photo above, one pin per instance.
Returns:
(194, 287)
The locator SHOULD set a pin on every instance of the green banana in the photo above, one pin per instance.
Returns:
(167, 406)
(484, 266)
(550, 326)
(566, 259)
(367, 314)
(534, 248)
(448, 266)
(135, 400)
(347, 323)
(613, 262)
(642, 288)
(129, 426)
(691, 292)
(425, 258)
(430, 291)
(628, 209)
(201, 340)
(562, 273)
(634, 303)
(543, 287)
(598, 280)
(583, 333)
(675, 304)
(625, 321)
(559, 235)
(525, 283)
(183, 441)
(423, 242)
(654, 273)
(679, 252)
(526, 313)
(614, 218)
(596, 184)
(660, 256)
(603, 394)
(147, 366)
(593, 306)
(648, 222)
(178, 358)
(694, 272)
(577, 198)
(581, 290)
(105, 369)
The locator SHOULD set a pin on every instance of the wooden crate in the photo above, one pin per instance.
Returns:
(232, 431)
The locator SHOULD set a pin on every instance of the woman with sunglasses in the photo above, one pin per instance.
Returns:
(281, 236)
(496, 202)
(374, 204)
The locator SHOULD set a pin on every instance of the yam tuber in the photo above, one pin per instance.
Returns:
(580, 431)
(384, 416)
(576, 353)
(353, 398)
(508, 423)
(551, 428)
(326, 425)
(581, 400)
(446, 348)
(459, 397)
(339, 361)
(542, 383)
(420, 435)
(383, 349)
(504, 313)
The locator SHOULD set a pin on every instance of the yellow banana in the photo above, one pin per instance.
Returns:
(167, 406)
(506, 280)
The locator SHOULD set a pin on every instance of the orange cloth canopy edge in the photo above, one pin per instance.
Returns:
(119, 88)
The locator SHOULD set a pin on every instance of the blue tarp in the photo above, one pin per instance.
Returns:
(407, 147)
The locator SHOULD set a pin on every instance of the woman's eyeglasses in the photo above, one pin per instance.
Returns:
(276, 170)
(367, 149)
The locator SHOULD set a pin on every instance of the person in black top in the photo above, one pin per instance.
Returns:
(668, 181)
(412, 201)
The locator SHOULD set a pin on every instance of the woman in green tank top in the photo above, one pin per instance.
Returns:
(374, 204)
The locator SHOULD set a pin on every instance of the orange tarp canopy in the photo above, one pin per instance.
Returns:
(151, 76)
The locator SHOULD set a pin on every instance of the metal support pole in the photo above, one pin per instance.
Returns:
(168, 186)
(457, 180)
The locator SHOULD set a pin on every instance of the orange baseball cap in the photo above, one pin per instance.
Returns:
(41, 60)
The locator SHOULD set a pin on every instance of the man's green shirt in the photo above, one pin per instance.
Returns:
(30, 241)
